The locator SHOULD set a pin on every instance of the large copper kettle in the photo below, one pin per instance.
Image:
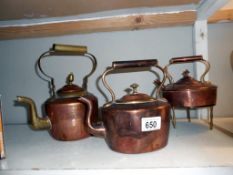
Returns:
(137, 122)
(190, 93)
(67, 109)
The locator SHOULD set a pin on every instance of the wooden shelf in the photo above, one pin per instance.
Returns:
(174, 15)
(25, 9)
(224, 125)
(192, 149)
(161, 13)
(116, 23)
(222, 15)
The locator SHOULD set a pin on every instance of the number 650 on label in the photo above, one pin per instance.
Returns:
(150, 123)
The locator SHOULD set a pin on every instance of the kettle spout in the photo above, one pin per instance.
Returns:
(37, 122)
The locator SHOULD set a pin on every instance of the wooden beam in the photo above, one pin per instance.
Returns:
(116, 23)
(200, 33)
(28, 9)
(208, 8)
(221, 15)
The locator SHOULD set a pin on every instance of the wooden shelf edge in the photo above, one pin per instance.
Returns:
(11, 10)
(116, 23)
(221, 15)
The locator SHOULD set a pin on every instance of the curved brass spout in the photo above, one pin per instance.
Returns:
(37, 123)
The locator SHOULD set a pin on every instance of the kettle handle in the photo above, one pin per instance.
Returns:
(131, 64)
(188, 59)
(134, 63)
(66, 50)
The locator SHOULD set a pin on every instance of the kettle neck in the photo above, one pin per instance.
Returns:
(95, 130)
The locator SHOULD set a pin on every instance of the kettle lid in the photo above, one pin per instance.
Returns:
(70, 89)
(186, 82)
(135, 97)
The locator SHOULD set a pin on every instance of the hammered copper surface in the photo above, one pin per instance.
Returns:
(123, 127)
(67, 109)
(122, 119)
(201, 97)
(68, 117)
(188, 92)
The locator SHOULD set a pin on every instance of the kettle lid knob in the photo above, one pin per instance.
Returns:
(186, 73)
(134, 86)
(70, 89)
(70, 78)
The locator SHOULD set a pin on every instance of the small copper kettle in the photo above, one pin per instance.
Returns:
(190, 93)
(67, 109)
(137, 122)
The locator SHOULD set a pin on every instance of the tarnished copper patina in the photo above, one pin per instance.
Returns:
(66, 110)
(137, 122)
(190, 93)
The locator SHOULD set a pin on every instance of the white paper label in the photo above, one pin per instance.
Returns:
(150, 123)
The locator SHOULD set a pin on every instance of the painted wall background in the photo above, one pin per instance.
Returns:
(18, 58)
(18, 74)
(221, 73)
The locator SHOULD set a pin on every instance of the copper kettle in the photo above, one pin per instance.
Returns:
(67, 109)
(190, 93)
(137, 122)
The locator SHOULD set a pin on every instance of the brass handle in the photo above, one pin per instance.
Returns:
(188, 59)
(131, 64)
(64, 50)
(134, 63)
(79, 50)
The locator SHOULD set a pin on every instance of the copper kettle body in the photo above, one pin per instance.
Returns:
(66, 110)
(136, 123)
(190, 93)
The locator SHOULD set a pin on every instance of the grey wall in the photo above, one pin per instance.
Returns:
(221, 73)
(18, 57)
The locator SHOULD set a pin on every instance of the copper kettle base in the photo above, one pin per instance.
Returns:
(156, 145)
(210, 117)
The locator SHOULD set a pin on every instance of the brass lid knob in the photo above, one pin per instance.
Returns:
(186, 73)
(134, 86)
(70, 78)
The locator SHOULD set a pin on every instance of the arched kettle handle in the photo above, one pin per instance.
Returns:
(134, 63)
(131, 64)
(188, 59)
(67, 50)
(95, 130)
